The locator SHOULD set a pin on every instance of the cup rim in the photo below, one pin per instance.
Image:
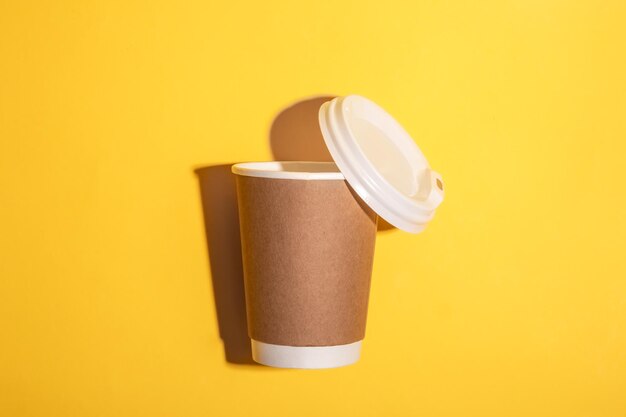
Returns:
(294, 170)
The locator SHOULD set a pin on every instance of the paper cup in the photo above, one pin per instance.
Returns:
(308, 247)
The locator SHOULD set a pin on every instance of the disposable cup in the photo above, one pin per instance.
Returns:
(308, 247)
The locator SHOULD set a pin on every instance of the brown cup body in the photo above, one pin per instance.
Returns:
(308, 248)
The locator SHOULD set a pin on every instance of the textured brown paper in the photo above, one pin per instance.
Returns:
(308, 247)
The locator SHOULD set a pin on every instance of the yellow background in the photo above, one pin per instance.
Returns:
(512, 303)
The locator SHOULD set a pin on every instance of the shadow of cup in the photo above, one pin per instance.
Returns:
(221, 221)
(295, 135)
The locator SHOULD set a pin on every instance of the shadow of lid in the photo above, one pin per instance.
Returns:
(295, 134)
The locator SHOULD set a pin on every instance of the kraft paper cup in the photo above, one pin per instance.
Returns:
(308, 247)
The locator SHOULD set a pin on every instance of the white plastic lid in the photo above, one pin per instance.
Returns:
(381, 162)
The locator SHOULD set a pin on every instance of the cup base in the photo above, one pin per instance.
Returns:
(305, 357)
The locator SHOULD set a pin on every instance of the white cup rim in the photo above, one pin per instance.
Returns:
(293, 170)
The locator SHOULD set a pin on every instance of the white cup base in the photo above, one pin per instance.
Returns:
(305, 357)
